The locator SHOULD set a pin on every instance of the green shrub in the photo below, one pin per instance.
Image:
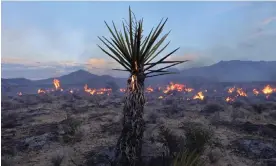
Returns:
(186, 158)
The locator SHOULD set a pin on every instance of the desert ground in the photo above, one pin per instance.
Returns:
(81, 129)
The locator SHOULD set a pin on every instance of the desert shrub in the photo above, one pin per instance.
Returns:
(237, 104)
(215, 119)
(173, 110)
(172, 142)
(273, 115)
(6, 161)
(112, 128)
(152, 117)
(196, 137)
(237, 114)
(9, 120)
(57, 160)
(259, 108)
(71, 130)
(212, 108)
(186, 158)
(169, 101)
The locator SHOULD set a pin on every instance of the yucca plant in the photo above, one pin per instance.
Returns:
(135, 53)
(188, 158)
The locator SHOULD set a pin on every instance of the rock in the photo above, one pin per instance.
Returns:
(255, 148)
(214, 155)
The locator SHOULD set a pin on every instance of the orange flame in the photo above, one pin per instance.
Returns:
(56, 84)
(241, 92)
(149, 89)
(133, 79)
(122, 90)
(231, 90)
(88, 90)
(268, 90)
(97, 91)
(199, 95)
(40, 91)
(256, 92)
(174, 87)
(229, 99)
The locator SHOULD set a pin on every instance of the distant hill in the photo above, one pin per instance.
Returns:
(224, 71)
(235, 71)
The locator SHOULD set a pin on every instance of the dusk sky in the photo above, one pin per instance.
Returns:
(50, 39)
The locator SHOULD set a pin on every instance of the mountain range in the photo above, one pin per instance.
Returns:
(223, 71)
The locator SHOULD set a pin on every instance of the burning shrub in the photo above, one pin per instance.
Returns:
(212, 108)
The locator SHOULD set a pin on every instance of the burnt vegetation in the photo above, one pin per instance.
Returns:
(139, 125)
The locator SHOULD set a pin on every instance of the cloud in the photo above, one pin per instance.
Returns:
(268, 20)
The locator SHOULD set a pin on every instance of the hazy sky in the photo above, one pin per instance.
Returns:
(49, 39)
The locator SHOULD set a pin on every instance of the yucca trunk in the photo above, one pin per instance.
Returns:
(129, 145)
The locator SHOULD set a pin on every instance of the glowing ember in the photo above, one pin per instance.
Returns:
(56, 84)
(88, 90)
(122, 90)
(256, 92)
(39, 91)
(71, 91)
(231, 90)
(229, 99)
(97, 91)
(19, 94)
(241, 92)
(149, 89)
(199, 95)
(160, 97)
(133, 78)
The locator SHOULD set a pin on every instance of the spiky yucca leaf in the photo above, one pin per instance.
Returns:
(187, 158)
(134, 51)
